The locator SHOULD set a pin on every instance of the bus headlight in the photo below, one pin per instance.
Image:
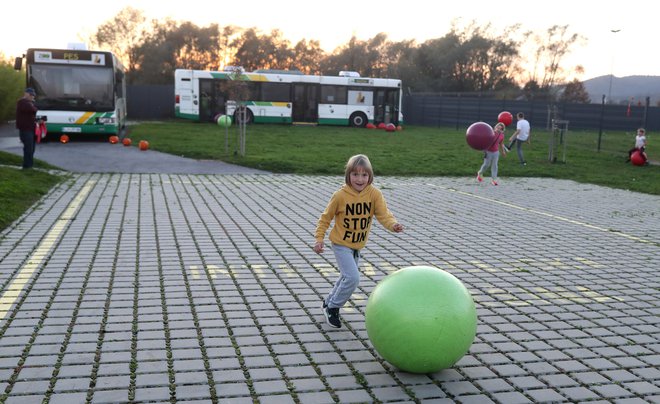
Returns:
(105, 120)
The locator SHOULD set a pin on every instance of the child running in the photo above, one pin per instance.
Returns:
(352, 207)
(492, 155)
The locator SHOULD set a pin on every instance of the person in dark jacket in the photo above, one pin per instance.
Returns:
(26, 114)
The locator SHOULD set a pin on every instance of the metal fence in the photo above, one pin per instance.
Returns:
(150, 102)
(157, 102)
(460, 111)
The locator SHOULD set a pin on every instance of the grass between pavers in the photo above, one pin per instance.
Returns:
(20, 189)
(414, 151)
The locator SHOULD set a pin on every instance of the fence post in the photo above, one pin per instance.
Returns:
(600, 123)
(458, 111)
(479, 107)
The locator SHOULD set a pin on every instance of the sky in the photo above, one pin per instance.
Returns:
(630, 51)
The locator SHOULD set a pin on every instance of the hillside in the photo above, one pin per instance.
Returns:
(623, 88)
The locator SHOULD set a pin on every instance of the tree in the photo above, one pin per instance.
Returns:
(548, 52)
(255, 51)
(575, 92)
(401, 65)
(12, 83)
(195, 47)
(171, 45)
(468, 59)
(350, 57)
(307, 56)
(123, 34)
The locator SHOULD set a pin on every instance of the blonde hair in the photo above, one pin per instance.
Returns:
(499, 125)
(362, 161)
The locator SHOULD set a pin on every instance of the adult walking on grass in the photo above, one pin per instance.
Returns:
(26, 114)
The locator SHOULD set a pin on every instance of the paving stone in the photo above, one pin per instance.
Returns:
(560, 318)
(354, 396)
(545, 396)
(578, 393)
(512, 398)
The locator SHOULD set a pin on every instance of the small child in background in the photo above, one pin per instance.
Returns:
(352, 207)
(640, 144)
(492, 155)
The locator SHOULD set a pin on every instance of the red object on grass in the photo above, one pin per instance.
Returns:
(637, 159)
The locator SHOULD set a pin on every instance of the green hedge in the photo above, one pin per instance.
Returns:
(12, 84)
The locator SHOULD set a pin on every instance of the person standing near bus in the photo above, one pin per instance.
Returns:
(522, 133)
(26, 116)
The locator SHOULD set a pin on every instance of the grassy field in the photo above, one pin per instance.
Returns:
(19, 189)
(414, 151)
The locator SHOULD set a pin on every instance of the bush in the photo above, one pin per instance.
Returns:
(12, 83)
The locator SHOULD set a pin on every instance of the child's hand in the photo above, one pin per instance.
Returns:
(319, 247)
(398, 227)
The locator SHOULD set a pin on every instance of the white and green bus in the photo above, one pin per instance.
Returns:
(78, 91)
(289, 97)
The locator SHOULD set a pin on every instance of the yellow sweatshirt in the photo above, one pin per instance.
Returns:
(353, 213)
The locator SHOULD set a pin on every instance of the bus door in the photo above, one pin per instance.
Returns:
(386, 103)
(305, 102)
(212, 100)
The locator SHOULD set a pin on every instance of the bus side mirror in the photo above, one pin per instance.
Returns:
(18, 63)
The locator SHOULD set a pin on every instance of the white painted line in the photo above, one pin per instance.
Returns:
(13, 291)
(550, 215)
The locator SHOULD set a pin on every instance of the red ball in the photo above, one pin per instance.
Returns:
(113, 139)
(480, 136)
(390, 127)
(371, 126)
(381, 125)
(143, 145)
(126, 141)
(505, 117)
(64, 139)
(637, 159)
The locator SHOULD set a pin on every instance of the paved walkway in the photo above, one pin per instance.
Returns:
(96, 156)
(204, 288)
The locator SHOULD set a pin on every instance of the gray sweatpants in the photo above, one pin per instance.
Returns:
(347, 261)
(491, 160)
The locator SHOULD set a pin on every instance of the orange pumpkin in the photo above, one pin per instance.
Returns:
(114, 139)
(64, 139)
(144, 145)
(126, 141)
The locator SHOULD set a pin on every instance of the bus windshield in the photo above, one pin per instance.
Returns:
(73, 88)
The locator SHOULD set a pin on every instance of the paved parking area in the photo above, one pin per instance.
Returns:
(204, 288)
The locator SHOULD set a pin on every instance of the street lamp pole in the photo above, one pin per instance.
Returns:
(609, 92)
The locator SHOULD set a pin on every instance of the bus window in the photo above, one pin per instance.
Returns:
(333, 94)
(275, 92)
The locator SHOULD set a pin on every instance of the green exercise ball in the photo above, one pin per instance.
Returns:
(421, 319)
(224, 121)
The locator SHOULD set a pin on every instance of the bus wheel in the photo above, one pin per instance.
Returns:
(358, 119)
(249, 117)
